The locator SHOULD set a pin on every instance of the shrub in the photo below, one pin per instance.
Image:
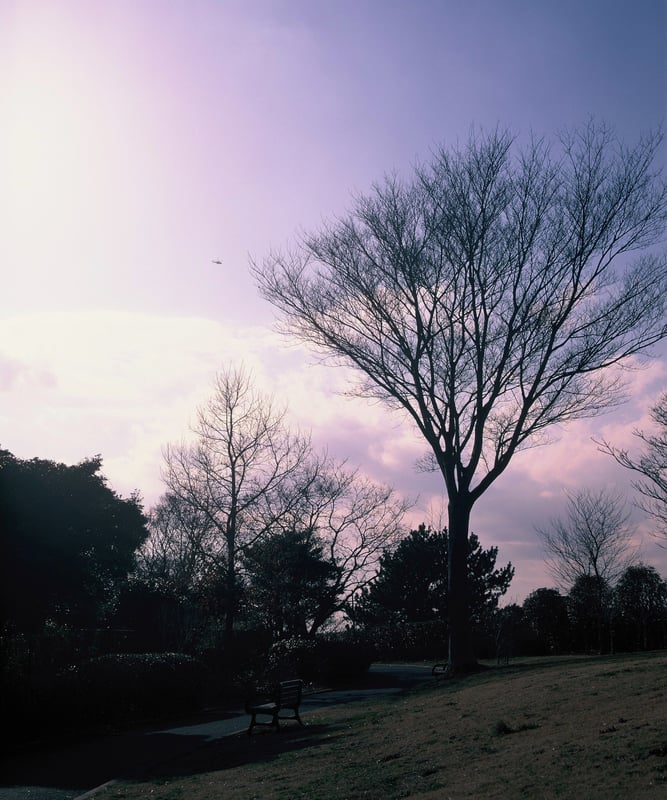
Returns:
(127, 686)
(410, 640)
(338, 656)
(344, 656)
(295, 656)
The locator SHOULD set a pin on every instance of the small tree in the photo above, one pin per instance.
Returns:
(483, 298)
(289, 580)
(177, 551)
(592, 538)
(590, 607)
(651, 466)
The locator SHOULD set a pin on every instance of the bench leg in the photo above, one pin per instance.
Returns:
(273, 724)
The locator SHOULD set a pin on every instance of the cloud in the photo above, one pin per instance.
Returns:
(16, 374)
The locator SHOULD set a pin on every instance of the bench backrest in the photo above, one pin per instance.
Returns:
(289, 694)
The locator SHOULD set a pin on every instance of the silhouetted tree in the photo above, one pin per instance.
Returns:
(651, 465)
(234, 475)
(482, 298)
(246, 478)
(509, 623)
(353, 520)
(289, 583)
(641, 607)
(68, 542)
(545, 613)
(592, 538)
(590, 607)
(176, 551)
(411, 584)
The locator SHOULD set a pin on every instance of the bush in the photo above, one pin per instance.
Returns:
(344, 656)
(410, 640)
(341, 656)
(128, 686)
(294, 657)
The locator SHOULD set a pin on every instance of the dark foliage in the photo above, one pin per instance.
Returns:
(545, 614)
(590, 608)
(331, 658)
(412, 586)
(640, 609)
(68, 542)
(289, 583)
(408, 640)
(126, 686)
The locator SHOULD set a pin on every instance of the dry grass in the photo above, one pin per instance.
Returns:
(560, 728)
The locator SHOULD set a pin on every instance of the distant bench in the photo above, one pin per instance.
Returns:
(287, 697)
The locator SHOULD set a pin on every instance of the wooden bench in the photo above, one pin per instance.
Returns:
(287, 698)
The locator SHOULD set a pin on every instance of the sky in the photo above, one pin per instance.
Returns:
(141, 141)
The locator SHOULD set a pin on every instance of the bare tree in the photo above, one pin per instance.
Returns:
(236, 471)
(592, 539)
(177, 548)
(651, 466)
(246, 478)
(354, 520)
(334, 545)
(482, 298)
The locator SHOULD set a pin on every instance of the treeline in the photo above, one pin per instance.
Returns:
(404, 609)
(593, 616)
(108, 612)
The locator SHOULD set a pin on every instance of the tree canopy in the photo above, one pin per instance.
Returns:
(68, 541)
(411, 584)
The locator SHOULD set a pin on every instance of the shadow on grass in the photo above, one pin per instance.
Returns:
(145, 755)
(240, 750)
(84, 764)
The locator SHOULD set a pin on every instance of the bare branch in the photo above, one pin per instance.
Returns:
(651, 465)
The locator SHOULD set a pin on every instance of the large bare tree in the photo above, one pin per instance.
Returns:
(487, 297)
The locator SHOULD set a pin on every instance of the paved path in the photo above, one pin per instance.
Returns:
(70, 771)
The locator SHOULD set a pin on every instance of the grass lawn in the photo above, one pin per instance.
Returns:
(574, 728)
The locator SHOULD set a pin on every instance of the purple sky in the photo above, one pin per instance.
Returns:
(141, 140)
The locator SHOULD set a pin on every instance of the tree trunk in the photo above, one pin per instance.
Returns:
(231, 590)
(461, 654)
